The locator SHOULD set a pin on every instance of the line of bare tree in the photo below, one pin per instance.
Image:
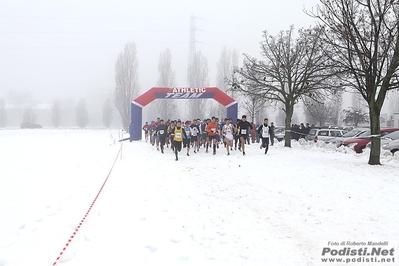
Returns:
(167, 78)
(3, 113)
(127, 82)
(291, 69)
(355, 45)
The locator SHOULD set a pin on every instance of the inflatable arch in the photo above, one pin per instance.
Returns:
(178, 93)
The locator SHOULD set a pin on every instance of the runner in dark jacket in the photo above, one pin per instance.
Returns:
(161, 131)
(272, 128)
(195, 133)
(243, 131)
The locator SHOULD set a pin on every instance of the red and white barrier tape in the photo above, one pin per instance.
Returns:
(87, 213)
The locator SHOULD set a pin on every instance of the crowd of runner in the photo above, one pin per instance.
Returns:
(207, 134)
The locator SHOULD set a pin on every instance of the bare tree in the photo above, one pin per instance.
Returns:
(82, 115)
(291, 69)
(213, 109)
(150, 111)
(336, 105)
(167, 78)
(354, 117)
(3, 113)
(225, 69)
(394, 103)
(261, 115)
(126, 79)
(317, 112)
(68, 110)
(280, 117)
(365, 41)
(358, 102)
(56, 114)
(107, 113)
(253, 105)
(29, 115)
(323, 112)
(198, 77)
(20, 99)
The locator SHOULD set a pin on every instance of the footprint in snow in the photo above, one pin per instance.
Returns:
(174, 240)
(183, 259)
(151, 248)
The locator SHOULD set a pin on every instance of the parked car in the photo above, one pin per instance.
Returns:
(30, 125)
(349, 128)
(324, 134)
(361, 141)
(351, 134)
(279, 133)
(392, 146)
(389, 142)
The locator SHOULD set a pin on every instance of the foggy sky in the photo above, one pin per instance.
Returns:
(59, 49)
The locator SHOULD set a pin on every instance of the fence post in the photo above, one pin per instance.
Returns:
(121, 142)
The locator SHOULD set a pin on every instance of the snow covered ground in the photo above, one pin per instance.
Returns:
(276, 209)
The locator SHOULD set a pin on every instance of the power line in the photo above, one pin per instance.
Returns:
(57, 47)
(220, 45)
(232, 24)
(121, 18)
(117, 31)
(81, 46)
(88, 18)
(219, 33)
(67, 32)
(192, 30)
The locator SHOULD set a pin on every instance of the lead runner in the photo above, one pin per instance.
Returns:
(227, 131)
(243, 126)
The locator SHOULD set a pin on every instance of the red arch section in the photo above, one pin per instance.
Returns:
(183, 93)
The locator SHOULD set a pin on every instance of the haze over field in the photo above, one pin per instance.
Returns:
(69, 48)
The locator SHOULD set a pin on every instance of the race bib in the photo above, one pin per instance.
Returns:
(213, 129)
(227, 130)
(161, 132)
(243, 131)
(178, 135)
(187, 132)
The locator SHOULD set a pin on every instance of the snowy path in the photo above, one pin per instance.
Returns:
(278, 209)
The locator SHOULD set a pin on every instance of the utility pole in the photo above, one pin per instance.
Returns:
(191, 50)
(191, 53)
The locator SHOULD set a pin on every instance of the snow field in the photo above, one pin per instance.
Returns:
(274, 209)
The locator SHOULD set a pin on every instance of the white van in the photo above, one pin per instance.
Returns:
(324, 134)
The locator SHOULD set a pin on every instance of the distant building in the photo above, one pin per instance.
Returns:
(15, 114)
(384, 120)
(396, 119)
(390, 120)
(43, 112)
